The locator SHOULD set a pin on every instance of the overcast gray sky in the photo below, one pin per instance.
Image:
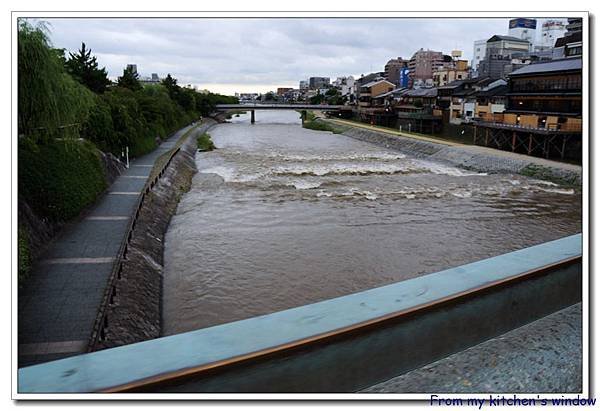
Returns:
(246, 55)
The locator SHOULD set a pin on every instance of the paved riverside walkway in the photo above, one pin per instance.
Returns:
(57, 306)
(544, 356)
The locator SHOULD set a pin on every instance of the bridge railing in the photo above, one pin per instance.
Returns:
(338, 345)
(280, 107)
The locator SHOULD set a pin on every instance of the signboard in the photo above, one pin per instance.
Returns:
(403, 77)
(522, 23)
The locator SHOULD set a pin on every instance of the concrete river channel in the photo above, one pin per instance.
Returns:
(280, 216)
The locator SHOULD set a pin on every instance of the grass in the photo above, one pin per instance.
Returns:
(546, 173)
(205, 143)
(314, 123)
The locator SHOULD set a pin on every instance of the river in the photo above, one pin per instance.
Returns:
(280, 216)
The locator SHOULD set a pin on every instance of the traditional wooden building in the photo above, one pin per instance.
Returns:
(417, 111)
(543, 114)
(372, 89)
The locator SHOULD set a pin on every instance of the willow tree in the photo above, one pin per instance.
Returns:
(50, 102)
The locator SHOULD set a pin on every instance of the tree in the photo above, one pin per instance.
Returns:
(334, 97)
(186, 99)
(51, 104)
(129, 79)
(317, 99)
(332, 92)
(170, 84)
(84, 68)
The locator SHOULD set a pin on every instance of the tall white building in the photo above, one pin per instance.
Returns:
(345, 85)
(551, 31)
(524, 29)
(479, 48)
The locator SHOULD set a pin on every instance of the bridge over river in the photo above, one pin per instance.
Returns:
(277, 106)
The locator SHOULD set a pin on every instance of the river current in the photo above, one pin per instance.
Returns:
(280, 216)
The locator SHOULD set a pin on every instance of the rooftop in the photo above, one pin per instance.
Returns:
(372, 83)
(422, 92)
(500, 90)
(571, 64)
(398, 91)
(499, 37)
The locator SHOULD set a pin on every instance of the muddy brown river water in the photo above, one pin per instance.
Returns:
(280, 216)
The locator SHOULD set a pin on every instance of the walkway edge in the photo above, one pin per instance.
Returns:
(101, 321)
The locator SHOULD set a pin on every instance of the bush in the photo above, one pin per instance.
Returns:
(60, 178)
(205, 143)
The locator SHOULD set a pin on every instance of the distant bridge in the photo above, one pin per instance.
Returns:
(326, 107)
(303, 107)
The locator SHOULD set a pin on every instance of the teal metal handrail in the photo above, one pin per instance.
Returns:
(195, 354)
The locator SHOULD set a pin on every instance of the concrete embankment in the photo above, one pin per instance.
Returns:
(135, 312)
(476, 158)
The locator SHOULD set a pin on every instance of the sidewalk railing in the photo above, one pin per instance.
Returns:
(102, 320)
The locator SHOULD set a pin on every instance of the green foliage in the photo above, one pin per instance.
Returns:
(310, 116)
(206, 102)
(316, 124)
(334, 97)
(59, 178)
(51, 104)
(59, 98)
(130, 127)
(170, 84)
(548, 174)
(317, 99)
(129, 79)
(24, 257)
(84, 68)
(205, 143)
(99, 127)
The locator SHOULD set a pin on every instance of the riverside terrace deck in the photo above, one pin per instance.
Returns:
(340, 345)
(58, 306)
(541, 142)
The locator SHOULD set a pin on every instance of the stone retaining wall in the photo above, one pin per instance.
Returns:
(136, 310)
(476, 158)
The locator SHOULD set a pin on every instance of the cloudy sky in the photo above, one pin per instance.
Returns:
(247, 55)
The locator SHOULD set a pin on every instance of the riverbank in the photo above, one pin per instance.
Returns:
(59, 306)
(469, 157)
(135, 312)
